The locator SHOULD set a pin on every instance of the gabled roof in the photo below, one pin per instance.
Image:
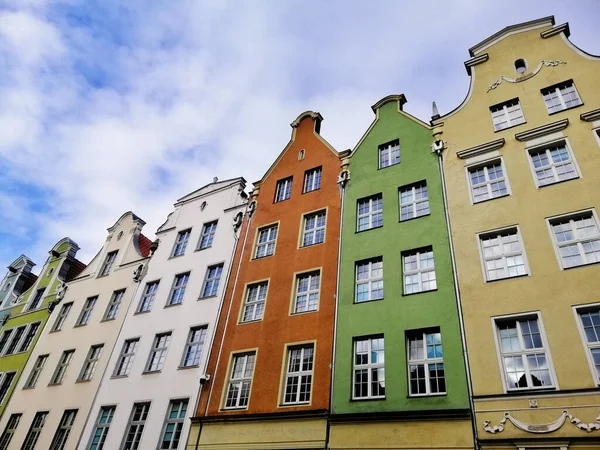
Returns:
(211, 187)
(21, 261)
(144, 245)
(75, 269)
(134, 217)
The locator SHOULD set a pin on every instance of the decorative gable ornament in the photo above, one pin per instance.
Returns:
(543, 427)
(527, 76)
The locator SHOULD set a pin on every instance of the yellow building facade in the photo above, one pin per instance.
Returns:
(521, 162)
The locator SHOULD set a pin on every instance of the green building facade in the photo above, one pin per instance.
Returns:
(26, 317)
(398, 358)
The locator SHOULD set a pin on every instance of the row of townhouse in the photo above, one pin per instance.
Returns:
(433, 288)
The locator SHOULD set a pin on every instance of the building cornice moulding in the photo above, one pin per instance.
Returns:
(481, 149)
(556, 30)
(544, 130)
(475, 61)
(591, 116)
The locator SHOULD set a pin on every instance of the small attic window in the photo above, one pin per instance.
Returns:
(520, 66)
(301, 154)
(202, 206)
(119, 236)
(50, 272)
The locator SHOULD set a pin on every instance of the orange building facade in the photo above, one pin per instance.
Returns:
(268, 378)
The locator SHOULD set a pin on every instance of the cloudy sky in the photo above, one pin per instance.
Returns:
(108, 106)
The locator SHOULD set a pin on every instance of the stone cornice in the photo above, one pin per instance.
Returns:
(556, 30)
(474, 61)
(542, 131)
(590, 116)
(481, 149)
(400, 98)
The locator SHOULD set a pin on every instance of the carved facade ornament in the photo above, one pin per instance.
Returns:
(533, 403)
(544, 427)
(527, 76)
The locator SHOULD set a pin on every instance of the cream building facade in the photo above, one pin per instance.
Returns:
(62, 376)
(521, 160)
(151, 386)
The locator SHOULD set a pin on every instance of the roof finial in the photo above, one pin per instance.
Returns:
(434, 112)
(215, 179)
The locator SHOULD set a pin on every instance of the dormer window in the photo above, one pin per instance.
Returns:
(507, 114)
(108, 263)
(561, 96)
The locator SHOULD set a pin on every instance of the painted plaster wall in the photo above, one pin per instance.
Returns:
(72, 394)
(172, 382)
(547, 289)
(396, 313)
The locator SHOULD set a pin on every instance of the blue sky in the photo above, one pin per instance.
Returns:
(108, 106)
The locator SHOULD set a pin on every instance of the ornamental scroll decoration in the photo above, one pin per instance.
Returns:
(527, 76)
(544, 427)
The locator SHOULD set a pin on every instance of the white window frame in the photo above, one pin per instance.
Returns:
(560, 96)
(194, 346)
(589, 346)
(101, 425)
(240, 381)
(425, 361)
(504, 107)
(37, 301)
(497, 233)
(255, 303)
(90, 363)
(577, 240)
(370, 280)
(488, 183)
(299, 375)
(545, 349)
(312, 179)
(86, 311)
(596, 132)
(209, 229)
(419, 271)
(389, 148)
(370, 213)
(306, 294)
(311, 233)
(62, 366)
(36, 371)
(109, 261)
(6, 337)
(126, 357)
(177, 288)
(15, 340)
(35, 429)
(158, 355)
(369, 367)
(415, 201)
(181, 242)
(271, 241)
(148, 296)
(546, 147)
(283, 189)
(178, 422)
(212, 281)
(59, 323)
(113, 306)
(139, 425)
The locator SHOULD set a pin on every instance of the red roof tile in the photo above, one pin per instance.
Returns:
(75, 269)
(144, 245)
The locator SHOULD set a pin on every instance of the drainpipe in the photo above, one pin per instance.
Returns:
(439, 152)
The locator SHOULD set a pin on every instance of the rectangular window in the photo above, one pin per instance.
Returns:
(63, 430)
(488, 181)
(552, 164)
(307, 292)
(34, 430)
(62, 366)
(126, 357)
(173, 426)
(7, 380)
(254, 305)
(62, 316)
(113, 306)
(102, 427)
(561, 96)
(178, 290)
(29, 337)
(369, 280)
(590, 323)
(9, 430)
(108, 263)
(314, 228)
(524, 357)
(284, 189)
(426, 363)
(37, 300)
(17, 335)
(89, 366)
(265, 245)
(211, 281)
(312, 179)
(370, 212)
(389, 154)
(368, 368)
(207, 236)
(86, 311)
(238, 389)
(34, 376)
(135, 427)
(4, 339)
(193, 347)
(148, 296)
(181, 242)
(158, 353)
(298, 379)
(503, 255)
(507, 114)
(577, 238)
(414, 201)
(419, 271)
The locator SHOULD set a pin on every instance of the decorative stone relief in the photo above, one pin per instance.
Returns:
(544, 427)
(533, 403)
(527, 76)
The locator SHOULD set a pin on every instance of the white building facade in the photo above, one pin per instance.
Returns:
(151, 385)
(60, 381)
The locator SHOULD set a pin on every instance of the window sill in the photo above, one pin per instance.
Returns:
(508, 128)
(195, 366)
(367, 399)
(314, 190)
(250, 321)
(311, 245)
(566, 109)
(30, 388)
(292, 405)
(137, 313)
(282, 200)
(239, 408)
(151, 372)
(116, 377)
(207, 297)
(54, 331)
(414, 218)
(175, 256)
(302, 313)
(490, 199)
(368, 229)
(420, 292)
(529, 391)
(387, 167)
(54, 384)
(440, 394)
(80, 325)
(256, 258)
(173, 305)
(556, 182)
(367, 301)
(203, 248)
(83, 381)
(107, 320)
(581, 265)
(508, 278)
